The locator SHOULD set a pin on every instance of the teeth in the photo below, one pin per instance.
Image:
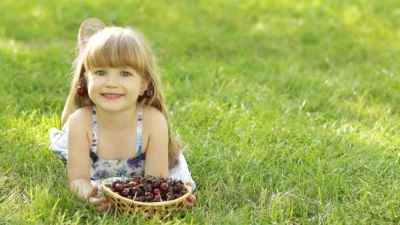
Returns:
(111, 95)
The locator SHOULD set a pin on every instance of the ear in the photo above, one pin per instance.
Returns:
(145, 84)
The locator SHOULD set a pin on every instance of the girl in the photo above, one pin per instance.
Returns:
(120, 127)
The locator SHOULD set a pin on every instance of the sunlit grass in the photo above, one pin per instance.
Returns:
(290, 108)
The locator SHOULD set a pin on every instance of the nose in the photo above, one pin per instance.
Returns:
(112, 79)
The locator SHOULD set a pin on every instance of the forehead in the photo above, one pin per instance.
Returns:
(115, 51)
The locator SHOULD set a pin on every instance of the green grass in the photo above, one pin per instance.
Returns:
(290, 108)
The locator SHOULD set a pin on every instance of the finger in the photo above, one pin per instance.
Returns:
(106, 207)
(97, 201)
(192, 198)
(94, 191)
(188, 203)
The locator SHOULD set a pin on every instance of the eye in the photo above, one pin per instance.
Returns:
(125, 74)
(100, 72)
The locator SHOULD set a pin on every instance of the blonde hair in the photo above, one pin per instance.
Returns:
(121, 47)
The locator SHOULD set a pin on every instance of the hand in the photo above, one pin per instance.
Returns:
(99, 202)
(191, 199)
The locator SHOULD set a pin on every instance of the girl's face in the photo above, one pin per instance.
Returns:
(114, 89)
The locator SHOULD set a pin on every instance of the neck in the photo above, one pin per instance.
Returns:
(117, 120)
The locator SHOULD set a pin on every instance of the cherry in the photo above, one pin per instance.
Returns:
(157, 191)
(134, 191)
(82, 91)
(140, 192)
(170, 182)
(178, 187)
(169, 196)
(115, 182)
(126, 192)
(119, 187)
(148, 94)
(157, 198)
(179, 182)
(131, 184)
(177, 196)
(149, 188)
(156, 183)
(149, 196)
(164, 186)
(137, 178)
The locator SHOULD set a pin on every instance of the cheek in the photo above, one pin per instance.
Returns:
(92, 87)
(91, 82)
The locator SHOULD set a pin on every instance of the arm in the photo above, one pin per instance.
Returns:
(157, 147)
(78, 154)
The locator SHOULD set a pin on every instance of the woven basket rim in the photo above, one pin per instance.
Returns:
(106, 189)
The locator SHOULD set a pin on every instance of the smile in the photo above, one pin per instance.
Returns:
(111, 96)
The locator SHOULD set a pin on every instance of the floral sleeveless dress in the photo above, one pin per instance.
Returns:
(103, 168)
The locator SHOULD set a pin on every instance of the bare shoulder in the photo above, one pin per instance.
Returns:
(81, 120)
(80, 129)
(153, 115)
(81, 116)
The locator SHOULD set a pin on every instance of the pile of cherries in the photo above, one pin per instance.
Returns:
(149, 188)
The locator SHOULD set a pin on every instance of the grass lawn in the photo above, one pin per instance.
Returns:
(290, 108)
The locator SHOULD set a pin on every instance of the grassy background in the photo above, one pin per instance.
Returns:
(291, 108)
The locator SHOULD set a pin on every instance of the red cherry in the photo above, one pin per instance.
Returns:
(157, 191)
(115, 182)
(119, 187)
(131, 184)
(137, 178)
(170, 182)
(148, 188)
(149, 196)
(164, 186)
(157, 198)
(148, 94)
(140, 199)
(178, 187)
(82, 91)
(126, 192)
(156, 183)
(169, 196)
(177, 196)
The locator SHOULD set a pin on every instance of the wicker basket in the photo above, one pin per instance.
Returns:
(164, 209)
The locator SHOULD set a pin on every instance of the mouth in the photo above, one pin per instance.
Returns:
(112, 95)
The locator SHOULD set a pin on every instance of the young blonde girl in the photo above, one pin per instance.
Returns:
(118, 124)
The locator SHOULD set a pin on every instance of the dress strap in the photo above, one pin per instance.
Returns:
(139, 130)
(95, 125)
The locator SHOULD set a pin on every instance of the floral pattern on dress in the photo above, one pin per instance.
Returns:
(101, 174)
